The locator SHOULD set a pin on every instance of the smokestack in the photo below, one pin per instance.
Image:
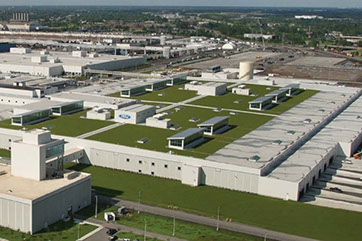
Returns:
(22, 16)
(27, 17)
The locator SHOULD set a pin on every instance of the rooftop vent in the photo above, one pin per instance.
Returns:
(143, 141)
(194, 119)
(254, 158)
(307, 120)
(291, 132)
(277, 142)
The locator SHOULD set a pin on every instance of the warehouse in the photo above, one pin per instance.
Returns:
(28, 195)
(215, 125)
(261, 103)
(134, 114)
(44, 63)
(186, 139)
(278, 95)
(210, 88)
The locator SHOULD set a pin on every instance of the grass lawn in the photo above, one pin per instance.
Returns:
(171, 94)
(227, 101)
(129, 134)
(284, 216)
(67, 125)
(5, 153)
(61, 231)
(162, 225)
(133, 236)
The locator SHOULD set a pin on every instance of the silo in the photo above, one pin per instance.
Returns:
(246, 70)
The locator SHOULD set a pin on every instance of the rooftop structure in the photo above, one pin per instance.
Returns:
(186, 139)
(209, 88)
(215, 125)
(261, 103)
(134, 114)
(92, 100)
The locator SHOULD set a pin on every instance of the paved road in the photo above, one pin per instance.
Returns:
(98, 131)
(101, 235)
(231, 226)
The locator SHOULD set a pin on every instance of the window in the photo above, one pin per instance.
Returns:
(179, 168)
(152, 173)
(152, 164)
(54, 151)
(140, 162)
(166, 166)
(176, 143)
(140, 171)
(127, 160)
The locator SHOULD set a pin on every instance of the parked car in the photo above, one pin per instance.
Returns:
(111, 231)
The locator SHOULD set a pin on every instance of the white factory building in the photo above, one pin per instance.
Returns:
(34, 194)
(45, 63)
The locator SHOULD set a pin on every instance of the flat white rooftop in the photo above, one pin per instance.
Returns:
(68, 96)
(30, 189)
(136, 108)
(261, 146)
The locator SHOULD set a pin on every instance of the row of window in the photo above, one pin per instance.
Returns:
(153, 164)
(153, 173)
(9, 101)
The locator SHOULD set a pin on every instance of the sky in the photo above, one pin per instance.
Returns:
(241, 3)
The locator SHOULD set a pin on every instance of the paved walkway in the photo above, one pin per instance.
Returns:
(99, 131)
(174, 105)
(180, 215)
(122, 228)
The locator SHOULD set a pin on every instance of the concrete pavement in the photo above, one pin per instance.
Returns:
(101, 235)
(180, 215)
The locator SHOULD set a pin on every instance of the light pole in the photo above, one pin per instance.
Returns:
(265, 237)
(144, 233)
(218, 217)
(174, 225)
(139, 202)
(78, 231)
(96, 208)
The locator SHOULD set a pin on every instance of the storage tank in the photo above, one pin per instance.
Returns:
(246, 70)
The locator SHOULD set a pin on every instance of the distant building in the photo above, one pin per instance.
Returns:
(258, 35)
(308, 17)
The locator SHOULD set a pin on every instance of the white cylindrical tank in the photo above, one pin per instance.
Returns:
(246, 70)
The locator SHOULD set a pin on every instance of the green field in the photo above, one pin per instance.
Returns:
(128, 134)
(133, 236)
(5, 153)
(61, 231)
(162, 225)
(67, 125)
(283, 216)
(171, 94)
(227, 101)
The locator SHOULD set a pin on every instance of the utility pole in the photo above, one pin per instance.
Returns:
(218, 219)
(96, 208)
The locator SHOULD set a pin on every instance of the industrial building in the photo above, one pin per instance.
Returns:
(134, 114)
(45, 63)
(209, 88)
(186, 139)
(29, 188)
